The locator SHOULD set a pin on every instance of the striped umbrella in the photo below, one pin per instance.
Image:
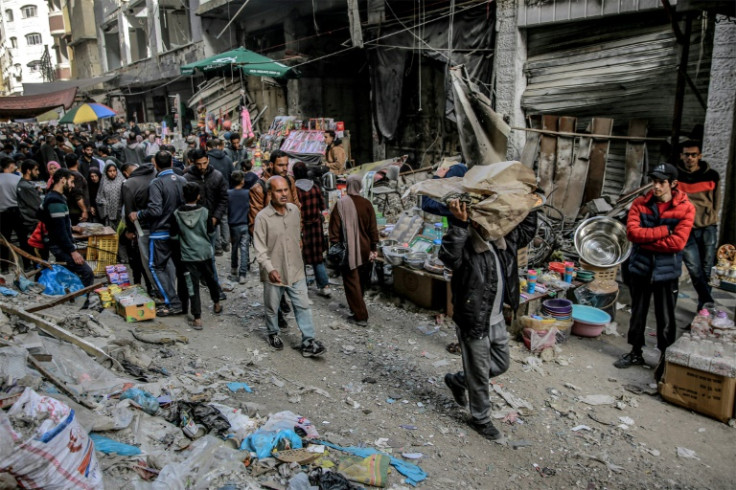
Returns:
(87, 112)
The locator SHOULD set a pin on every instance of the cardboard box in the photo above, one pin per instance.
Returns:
(135, 305)
(422, 289)
(706, 393)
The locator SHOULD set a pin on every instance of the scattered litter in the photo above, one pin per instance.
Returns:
(408, 427)
(412, 455)
(533, 363)
(601, 459)
(571, 386)
(596, 400)
(109, 446)
(511, 399)
(158, 333)
(11, 292)
(236, 386)
(685, 453)
(545, 472)
(611, 329)
(626, 420)
(580, 427)
(518, 444)
(144, 400)
(428, 329)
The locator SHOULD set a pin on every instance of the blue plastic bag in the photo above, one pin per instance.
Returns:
(59, 281)
(143, 399)
(237, 386)
(107, 446)
(264, 442)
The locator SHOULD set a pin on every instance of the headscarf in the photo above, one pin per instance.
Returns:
(91, 186)
(50, 166)
(108, 197)
(350, 224)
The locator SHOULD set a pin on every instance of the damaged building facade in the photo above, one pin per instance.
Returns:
(383, 68)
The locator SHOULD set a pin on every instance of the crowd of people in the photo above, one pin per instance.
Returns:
(174, 215)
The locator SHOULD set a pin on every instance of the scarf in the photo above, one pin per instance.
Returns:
(108, 196)
(51, 165)
(350, 224)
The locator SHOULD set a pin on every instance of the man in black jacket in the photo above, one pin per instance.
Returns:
(135, 197)
(484, 275)
(165, 195)
(221, 162)
(212, 193)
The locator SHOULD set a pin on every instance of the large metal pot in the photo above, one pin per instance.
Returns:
(601, 241)
(329, 181)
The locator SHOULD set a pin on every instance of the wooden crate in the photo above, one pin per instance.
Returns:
(101, 252)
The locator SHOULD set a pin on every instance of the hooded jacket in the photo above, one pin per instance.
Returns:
(135, 193)
(221, 162)
(191, 227)
(236, 155)
(165, 195)
(134, 153)
(212, 189)
(701, 188)
(474, 281)
(658, 239)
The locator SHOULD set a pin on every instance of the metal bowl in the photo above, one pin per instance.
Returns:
(385, 244)
(415, 260)
(395, 255)
(601, 241)
(434, 265)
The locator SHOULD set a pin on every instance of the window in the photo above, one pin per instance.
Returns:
(33, 39)
(28, 11)
(13, 42)
(8, 15)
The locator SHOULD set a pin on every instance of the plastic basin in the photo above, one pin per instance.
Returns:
(590, 315)
(557, 306)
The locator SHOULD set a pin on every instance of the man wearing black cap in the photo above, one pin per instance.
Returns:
(658, 226)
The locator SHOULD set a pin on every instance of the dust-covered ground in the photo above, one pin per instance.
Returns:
(382, 386)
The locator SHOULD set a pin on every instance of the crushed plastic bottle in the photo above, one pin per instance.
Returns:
(701, 323)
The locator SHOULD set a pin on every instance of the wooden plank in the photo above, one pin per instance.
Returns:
(62, 334)
(563, 166)
(531, 147)
(598, 154)
(66, 297)
(634, 160)
(547, 152)
(578, 176)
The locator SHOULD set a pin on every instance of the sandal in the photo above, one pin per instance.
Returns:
(217, 308)
(454, 348)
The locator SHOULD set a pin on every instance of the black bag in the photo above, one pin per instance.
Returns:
(337, 254)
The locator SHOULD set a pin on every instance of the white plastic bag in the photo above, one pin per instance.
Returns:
(540, 340)
(58, 455)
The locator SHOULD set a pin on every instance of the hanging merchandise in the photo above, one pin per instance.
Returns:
(247, 125)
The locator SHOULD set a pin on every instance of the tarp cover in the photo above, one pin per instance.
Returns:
(33, 105)
(472, 38)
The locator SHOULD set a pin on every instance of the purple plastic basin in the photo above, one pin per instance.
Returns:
(558, 306)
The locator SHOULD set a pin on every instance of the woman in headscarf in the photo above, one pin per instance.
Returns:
(353, 222)
(109, 203)
(51, 167)
(93, 185)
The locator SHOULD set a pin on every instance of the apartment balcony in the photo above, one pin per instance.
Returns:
(56, 24)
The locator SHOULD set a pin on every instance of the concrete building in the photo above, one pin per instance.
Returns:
(83, 39)
(60, 29)
(27, 31)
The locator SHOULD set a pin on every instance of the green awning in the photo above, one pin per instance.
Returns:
(251, 63)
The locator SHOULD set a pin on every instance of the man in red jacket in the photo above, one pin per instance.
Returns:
(658, 226)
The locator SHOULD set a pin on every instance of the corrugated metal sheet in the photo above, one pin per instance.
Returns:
(624, 69)
(547, 11)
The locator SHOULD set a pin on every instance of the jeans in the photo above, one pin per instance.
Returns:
(699, 256)
(240, 238)
(483, 359)
(320, 275)
(222, 231)
(213, 242)
(297, 293)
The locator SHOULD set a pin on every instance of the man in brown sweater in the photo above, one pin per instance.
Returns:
(278, 164)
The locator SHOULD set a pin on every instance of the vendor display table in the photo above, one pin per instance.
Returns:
(533, 304)
(102, 249)
(424, 289)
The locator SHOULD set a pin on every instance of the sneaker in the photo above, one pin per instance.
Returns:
(360, 323)
(487, 430)
(324, 292)
(275, 341)
(457, 389)
(628, 360)
(234, 272)
(313, 349)
(241, 280)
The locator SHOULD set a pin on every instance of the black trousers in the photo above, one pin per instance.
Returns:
(199, 271)
(11, 221)
(665, 298)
